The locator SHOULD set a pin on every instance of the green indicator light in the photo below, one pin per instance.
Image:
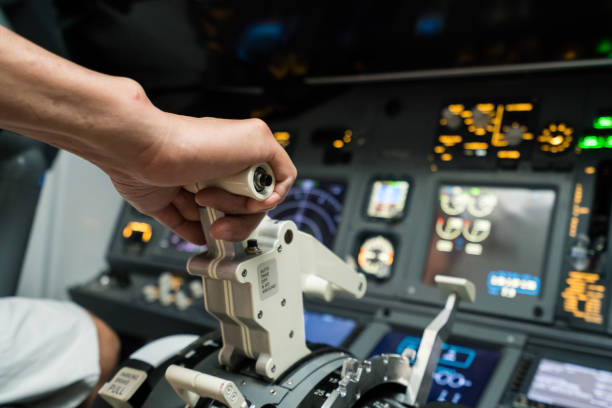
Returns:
(475, 191)
(609, 142)
(604, 46)
(603, 122)
(591, 142)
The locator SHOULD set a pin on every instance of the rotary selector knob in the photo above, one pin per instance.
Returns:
(556, 138)
(451, 118)
(481, 119)
(514, 134)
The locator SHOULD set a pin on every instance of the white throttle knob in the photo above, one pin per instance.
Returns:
(256, 182)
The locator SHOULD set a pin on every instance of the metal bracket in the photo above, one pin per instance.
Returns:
(257, 295)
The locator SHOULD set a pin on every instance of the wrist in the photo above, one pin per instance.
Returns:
(123, 127)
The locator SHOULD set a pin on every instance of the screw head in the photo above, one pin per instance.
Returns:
(288, 236)
(279, 249)
(244, 273)
(291, 334)
(283, 302)
(260, 314)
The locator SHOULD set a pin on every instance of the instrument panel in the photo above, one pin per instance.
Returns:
(467, 178)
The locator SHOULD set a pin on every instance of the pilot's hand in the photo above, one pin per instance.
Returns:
(149, 154)
(184, 150)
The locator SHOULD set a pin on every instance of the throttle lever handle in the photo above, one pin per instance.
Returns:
(256, 182)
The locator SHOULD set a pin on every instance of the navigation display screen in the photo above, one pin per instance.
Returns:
(570, 385)
(327, 329)
(462, 372)
(494, 236)
(315, 206)
(182, 245)
(388, 199)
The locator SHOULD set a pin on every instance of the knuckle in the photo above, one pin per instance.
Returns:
(259, 127)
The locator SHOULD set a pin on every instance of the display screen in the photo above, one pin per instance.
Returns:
(494, 236)
(182, 245)
(388, 199)
(570, 385)
(327, 329)
(462, 373)
(315, 206)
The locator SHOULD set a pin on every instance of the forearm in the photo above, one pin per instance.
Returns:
(58, 102)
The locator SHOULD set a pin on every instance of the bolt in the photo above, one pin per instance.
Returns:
(288, 236)
(244, 273)
(273, 369)
(272, 391)
(279, 249)
(252, 247)
(283, 302)
(291, 334)
(261, 179)
(260, 314)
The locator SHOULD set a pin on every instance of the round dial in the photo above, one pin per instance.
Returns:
(514, 133)
(376, 256)
(450, 116)
(556, 138)
(480, 120)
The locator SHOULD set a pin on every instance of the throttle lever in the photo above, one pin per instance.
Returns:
(256, 292)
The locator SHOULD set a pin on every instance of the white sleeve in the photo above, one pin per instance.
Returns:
(48, 353)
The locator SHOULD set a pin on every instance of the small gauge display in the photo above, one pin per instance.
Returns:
(315, 206)
(388, 199)
(376, 256)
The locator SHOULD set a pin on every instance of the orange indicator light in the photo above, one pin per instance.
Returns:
(476, 146)
(589, 170)
(519, 107)
(338, 144)
(450, 140)
(141, 227)
(439, 149)
(557, 140)
(446, 157)
(485, 107)
(509, 154)
(456, 108)
(283, 138)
